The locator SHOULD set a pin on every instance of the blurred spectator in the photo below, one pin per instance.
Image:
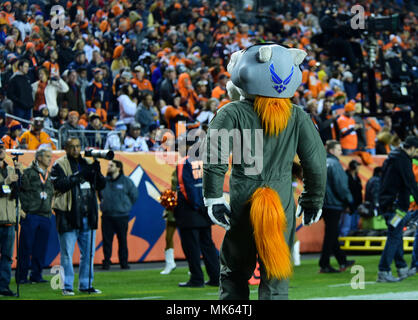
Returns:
(51, 65)
(146, 114)
(208, 112)
(143, 84)
(337, 198)
(36, 199)
(127, 103)
(48, 124)
(45, 91)
(350, 86)
(96, 139)
(349, 221)
(38, 89)
(115, 214)
(133, 141)
(338, 106)
(384, 138)
(119, 60)
(167, 87)
(72, 98)
(61, 118)
(327, 129)
(219, 92)
(65, 53)
(397, 184)
(372, 190)
(115, 139)
(347, 129)
(102, 113)
(71, 128)
(310, 78)
(372, 129)
(19, 90)
(96, 91)
(11, 139)
(153, 141)
(36, 137)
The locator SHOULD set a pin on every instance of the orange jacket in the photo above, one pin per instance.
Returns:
(34, 142)
(144, 84)
(348, 135)
(217, 92)
(10, 143)
(372, 128)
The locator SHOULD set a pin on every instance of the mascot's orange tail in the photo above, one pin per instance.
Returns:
(269, 222)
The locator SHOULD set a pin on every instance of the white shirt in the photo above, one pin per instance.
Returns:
(127, 109)
(133, 145)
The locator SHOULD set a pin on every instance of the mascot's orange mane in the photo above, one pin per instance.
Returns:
(274, 113)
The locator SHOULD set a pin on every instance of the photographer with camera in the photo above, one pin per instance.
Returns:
(76, 180)
(8, 190)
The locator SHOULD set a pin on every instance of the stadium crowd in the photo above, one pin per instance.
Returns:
(118, 71)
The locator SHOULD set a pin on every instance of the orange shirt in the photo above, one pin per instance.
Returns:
(53, 68)
(372, 128)
(102, 114)
(9, 143)
(217, 92)
(346, 124)
(144, 84)
(33, 142)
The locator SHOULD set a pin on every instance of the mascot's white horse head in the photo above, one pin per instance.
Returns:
(268, 74)
(267, 70)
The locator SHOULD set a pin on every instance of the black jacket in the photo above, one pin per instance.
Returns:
(337, 193)
(82, 172)
(397, 182)
(372, 190)
(19, 90)
(354, 184)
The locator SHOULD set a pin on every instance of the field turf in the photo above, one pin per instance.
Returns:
(306, 283)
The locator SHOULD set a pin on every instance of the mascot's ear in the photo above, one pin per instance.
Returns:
(264, 54)
(298, 55)
(233, 61)
(233, 91)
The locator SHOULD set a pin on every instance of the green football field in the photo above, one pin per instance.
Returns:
(306, 283)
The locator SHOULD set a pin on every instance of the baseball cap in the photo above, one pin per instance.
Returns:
(15, 125)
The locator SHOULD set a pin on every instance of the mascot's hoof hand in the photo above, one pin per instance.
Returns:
(219, 214)
(310, 216)
(218, 211)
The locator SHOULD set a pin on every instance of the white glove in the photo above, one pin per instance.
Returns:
(219, 211)
(310, 216)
